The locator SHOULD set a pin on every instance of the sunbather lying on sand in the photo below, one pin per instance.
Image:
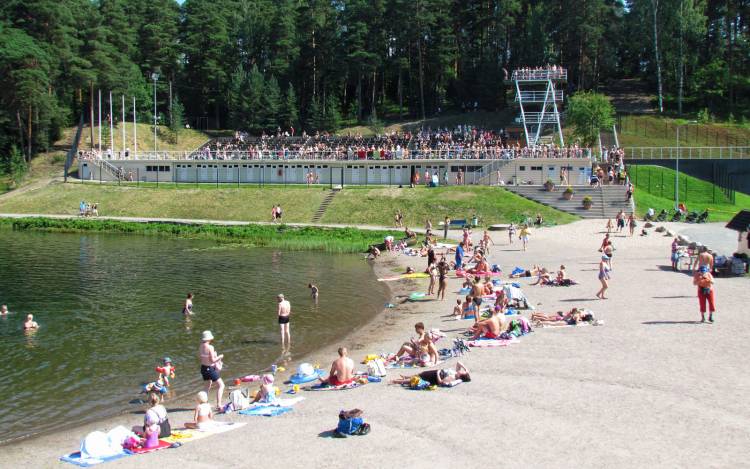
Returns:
(442, 377)
(525, 273)
(571, 318)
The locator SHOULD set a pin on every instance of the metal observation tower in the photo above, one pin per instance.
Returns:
(539, 102)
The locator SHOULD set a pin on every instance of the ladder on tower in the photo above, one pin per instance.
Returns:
(537, 98)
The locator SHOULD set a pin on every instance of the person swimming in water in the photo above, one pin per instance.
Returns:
(187, 308)
(314, 291)
(4, 310)
(30, 323)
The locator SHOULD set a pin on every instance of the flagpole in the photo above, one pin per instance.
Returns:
(100, 123)
(123, 125)
(135, 132)
(111, 126)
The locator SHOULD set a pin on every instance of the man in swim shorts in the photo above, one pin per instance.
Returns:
(489, 328)
(284, 312)
(342, 370)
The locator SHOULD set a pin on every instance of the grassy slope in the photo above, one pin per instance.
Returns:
(377, 206)
(188, 139)
(699, 195)
(492, 120)
(655, 131)
(251, 204)
(369, 206)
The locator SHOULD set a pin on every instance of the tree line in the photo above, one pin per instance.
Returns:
(264, 64)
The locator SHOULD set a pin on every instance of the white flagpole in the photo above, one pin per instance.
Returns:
(111, 127)
(135, 132)
(100, 123)
(123, 126)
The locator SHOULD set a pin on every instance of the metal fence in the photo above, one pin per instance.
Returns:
(343, 155)
(690, 153)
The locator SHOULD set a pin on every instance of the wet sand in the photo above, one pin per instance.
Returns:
(649, 388)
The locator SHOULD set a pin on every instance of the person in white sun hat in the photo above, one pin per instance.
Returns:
(211, 364)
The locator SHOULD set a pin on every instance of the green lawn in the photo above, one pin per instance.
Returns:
(655, 131)
(377, 206)
(354, 205)
(655, 188)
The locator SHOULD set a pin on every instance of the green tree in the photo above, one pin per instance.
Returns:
(270, 104)
(589, 113)
(289, 113)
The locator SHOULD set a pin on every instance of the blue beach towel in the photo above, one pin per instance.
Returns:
(266, 411)
(75, 458)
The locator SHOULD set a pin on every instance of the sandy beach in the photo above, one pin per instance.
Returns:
(651, 387)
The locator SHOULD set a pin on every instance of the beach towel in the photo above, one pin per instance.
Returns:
(398, 365)
(424, 385)
(328, 387)
(405, 276)
(78, 460)
(162, 445)
(266, 411)
(278, 402)
(490, 343)
(188, 435)
(417, 296)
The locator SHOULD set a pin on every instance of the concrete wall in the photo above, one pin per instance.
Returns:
(392, 172)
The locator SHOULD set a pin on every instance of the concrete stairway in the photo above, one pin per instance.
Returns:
(608, 200)
(324, 206)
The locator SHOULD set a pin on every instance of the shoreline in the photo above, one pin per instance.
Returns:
(292, 237)
(644, 381)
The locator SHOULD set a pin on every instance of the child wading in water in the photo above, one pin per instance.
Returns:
(314, 291)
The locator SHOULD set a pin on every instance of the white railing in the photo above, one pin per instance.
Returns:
(538, 96)
(539, 118)
(688, 153)
(546, 74)
(343, 155)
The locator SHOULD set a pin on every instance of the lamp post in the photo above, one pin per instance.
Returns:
(155, 77)
(677, 167)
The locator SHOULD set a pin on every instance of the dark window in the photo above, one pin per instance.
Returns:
(522, 168)
(536, 168)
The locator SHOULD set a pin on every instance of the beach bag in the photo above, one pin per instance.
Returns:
(376, 368)
(238, 401)
(351, 423)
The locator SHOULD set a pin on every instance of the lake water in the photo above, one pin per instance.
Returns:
(109, 310)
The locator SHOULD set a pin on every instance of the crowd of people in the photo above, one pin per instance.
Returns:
(461, 142)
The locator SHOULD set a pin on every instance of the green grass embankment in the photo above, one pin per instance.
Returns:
(655, 188)
(355, 205)
(340, 240)
(656, 131)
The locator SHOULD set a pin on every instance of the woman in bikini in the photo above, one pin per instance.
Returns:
(187, 307)
(444, 377)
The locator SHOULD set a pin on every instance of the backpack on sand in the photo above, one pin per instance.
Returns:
(376, 367)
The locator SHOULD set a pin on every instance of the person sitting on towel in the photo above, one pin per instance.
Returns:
(342, 370)
(421, 348)
(490, 328)
(444, 377)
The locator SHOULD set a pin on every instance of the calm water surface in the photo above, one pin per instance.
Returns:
(109, 310)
